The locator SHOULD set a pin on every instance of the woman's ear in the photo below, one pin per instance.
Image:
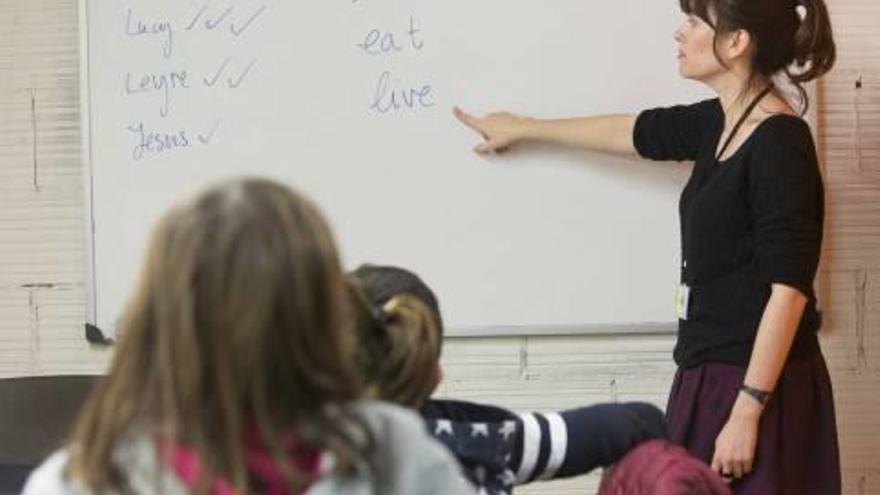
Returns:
(737, 44)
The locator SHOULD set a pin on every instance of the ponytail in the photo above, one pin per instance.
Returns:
(408, 372)
(399, 346)
(813, 49)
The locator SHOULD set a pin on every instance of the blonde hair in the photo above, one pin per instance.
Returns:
(239, 319)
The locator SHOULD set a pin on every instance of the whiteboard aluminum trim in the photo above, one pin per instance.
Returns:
(616, 329)
(86, 159)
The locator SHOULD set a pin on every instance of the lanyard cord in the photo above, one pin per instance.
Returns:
(742, 120)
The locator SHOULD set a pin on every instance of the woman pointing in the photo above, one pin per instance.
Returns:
(752, 395)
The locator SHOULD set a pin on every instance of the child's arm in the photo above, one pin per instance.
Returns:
(576, 441)
(457, 410)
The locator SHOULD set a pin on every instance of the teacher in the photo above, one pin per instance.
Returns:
(752, 395)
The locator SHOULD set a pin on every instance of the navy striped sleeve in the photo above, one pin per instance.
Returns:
(498, 449)
(575, 442)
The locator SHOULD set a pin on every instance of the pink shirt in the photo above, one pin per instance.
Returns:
(261, 467)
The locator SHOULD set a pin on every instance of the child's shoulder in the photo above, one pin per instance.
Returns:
(385, 415)
(48, 478)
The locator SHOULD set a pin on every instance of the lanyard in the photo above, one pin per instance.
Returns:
(742, 120)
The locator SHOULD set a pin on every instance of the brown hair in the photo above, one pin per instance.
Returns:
(238, 319)
(401, 333)
(800, 49)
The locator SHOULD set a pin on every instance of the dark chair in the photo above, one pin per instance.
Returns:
(36, 414)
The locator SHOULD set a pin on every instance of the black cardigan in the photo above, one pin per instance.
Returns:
(750, 221)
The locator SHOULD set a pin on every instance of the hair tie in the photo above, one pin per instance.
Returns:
(379, 316)
(382, 315)
(801, 9)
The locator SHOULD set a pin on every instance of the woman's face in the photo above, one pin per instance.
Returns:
(696, 54)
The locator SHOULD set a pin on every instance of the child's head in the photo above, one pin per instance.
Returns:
(239, 319)
(401, 333)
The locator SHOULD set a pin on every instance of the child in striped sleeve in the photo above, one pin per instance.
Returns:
(401, 333)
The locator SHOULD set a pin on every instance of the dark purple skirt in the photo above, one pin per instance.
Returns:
(797, 450)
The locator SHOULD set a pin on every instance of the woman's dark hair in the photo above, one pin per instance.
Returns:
(792, 37)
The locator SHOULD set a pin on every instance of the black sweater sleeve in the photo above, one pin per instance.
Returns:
(787, 201)
(674, 133)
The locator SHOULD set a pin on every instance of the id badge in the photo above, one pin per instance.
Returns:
(682, 301)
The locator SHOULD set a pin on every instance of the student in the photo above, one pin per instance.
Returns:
(402, 334)
(233, 373)
(751, 229)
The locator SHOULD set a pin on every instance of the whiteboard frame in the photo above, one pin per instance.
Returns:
(86, 159)
(596, 330)
(91, 289)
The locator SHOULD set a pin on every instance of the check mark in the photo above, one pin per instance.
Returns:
(216, 22)
(247, 23)
(210, 81)
(196, 18)
(236, 83)
(205, 139)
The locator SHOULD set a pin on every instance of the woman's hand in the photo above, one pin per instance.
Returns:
(736, 444)
(499, 130)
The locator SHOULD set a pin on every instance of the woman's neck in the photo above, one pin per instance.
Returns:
(736, 93)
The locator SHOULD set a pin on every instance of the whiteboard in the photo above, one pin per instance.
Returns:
(349, 101)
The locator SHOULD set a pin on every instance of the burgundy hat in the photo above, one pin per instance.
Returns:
(658, 467)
